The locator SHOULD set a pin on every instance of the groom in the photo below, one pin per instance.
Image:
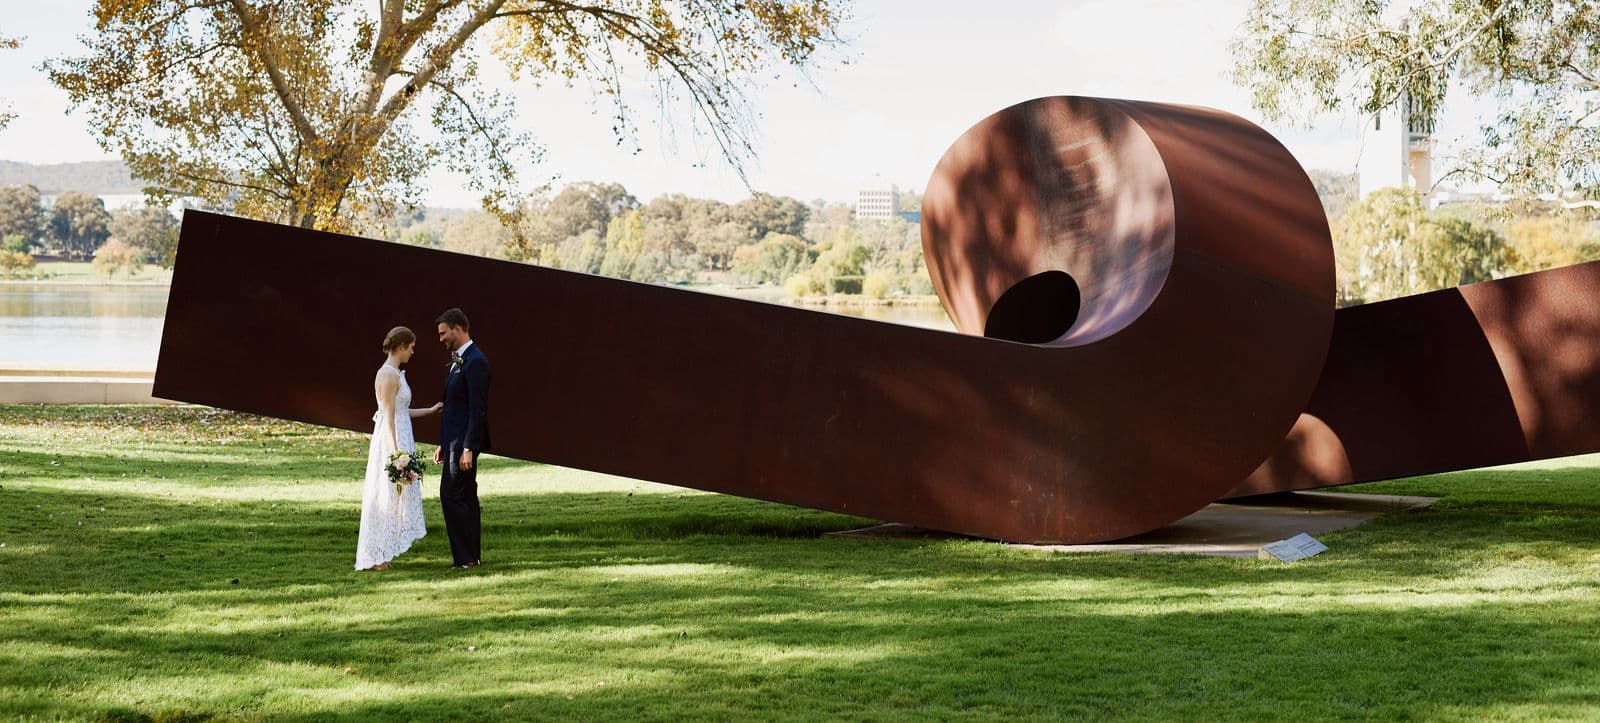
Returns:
(463, 436)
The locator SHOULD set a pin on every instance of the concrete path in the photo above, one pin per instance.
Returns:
(1233, 529)
(101, 385)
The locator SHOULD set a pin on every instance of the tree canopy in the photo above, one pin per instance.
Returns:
(149, 230)
(602, 228)
(1388, 246)
(6, 115)
(1539, 58)
(310, 111)
(1551, 241)
(79, 223)
(22, 214)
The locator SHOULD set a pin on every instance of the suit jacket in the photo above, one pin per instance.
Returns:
(466, 403)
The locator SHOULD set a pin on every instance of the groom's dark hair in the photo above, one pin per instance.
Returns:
(454, 317)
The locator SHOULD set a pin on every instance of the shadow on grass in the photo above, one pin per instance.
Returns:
(669, 648)
(130, 605)
(60, 538)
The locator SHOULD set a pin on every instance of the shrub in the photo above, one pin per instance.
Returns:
(880, 283)
(806, 283)
(14, 263)
(117, 256)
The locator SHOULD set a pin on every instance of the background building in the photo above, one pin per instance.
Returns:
(877, 199)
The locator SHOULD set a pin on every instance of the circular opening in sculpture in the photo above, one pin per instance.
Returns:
(1036, 310)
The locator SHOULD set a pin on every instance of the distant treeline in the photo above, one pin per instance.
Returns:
(811, 249)
(79, 226)
(814, 248)
(96, 178)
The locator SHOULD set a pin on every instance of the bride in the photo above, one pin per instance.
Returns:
(391, 522)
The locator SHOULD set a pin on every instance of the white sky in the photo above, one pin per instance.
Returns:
(921, 72)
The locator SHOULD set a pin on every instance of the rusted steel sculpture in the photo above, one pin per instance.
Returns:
(1492, 373)
(1146, 296)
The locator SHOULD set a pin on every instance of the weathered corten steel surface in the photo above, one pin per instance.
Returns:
(1492, 373)
(1173, 263)
(1204, 276)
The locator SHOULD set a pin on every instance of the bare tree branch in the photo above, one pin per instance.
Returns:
(439, 57)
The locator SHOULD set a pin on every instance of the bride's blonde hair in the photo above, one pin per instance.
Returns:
(398, 338)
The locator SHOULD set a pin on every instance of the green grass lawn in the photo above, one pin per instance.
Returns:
(182, 563)
(85, 271)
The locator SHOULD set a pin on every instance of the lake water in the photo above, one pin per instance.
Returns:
(88, 327)
(72, 327)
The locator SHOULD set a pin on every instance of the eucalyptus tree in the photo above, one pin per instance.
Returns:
(313, 112)
(1540, 59)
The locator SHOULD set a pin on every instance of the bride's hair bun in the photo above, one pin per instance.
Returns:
(398, 338)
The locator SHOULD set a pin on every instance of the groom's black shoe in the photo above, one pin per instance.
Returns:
(464, 566)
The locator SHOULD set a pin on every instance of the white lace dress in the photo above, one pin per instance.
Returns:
(389, 522)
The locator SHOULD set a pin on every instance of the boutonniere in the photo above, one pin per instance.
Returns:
(455, 362)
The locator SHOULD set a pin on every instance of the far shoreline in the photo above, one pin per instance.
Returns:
(150, 283)
(768, 294)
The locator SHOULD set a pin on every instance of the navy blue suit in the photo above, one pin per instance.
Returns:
(464, 425)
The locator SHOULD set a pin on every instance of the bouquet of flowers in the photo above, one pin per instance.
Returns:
(404, 468)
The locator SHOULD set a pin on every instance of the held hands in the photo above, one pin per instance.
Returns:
(435, 408)
(464, 463)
